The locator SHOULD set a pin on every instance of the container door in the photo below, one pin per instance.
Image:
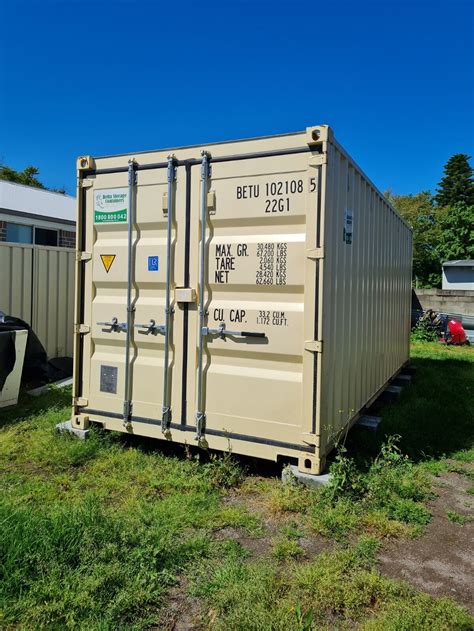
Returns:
(111, 261)
(259, 300)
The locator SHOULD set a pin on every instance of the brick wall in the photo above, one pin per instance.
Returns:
(3, 231)
(67, 239)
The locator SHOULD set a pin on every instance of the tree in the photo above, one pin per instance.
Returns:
(457, 233)
(425, 219)
(27, 176)
(457, 184)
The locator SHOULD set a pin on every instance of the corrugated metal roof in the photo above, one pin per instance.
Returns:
(466, 263)
(36, 201)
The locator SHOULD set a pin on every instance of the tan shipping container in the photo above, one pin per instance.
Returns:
(276, 334)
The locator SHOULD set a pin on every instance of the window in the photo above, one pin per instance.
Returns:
(16, 233)
(44, 236)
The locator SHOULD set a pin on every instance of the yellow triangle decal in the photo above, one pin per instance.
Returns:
(107, 260)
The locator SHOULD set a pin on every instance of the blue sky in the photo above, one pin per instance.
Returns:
(393, 78)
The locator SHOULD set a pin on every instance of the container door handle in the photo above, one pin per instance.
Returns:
(222, 332)
(200, 413)
(114, 325)
(152, 327)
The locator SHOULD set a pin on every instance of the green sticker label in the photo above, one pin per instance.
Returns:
(110, 205)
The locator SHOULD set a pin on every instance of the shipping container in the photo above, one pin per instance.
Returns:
(252, 294)
(37, 285)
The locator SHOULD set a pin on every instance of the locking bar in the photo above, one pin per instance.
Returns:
(127, 402)
(222, 332)
(200, 413)
(114, 325)
(152, 327)
(166, 408)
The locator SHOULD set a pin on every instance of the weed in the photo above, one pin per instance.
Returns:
(423, 331)
(335, 520)
(376, 523)
(386, 500)
(304, 619)
(238, 517)
(286, 548)
(345, 480)
(291, 498)
(457, 518)
(224, 471)
(233, 549)
(291, 530)
(408, 610)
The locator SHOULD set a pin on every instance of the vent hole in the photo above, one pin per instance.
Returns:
(307, 464)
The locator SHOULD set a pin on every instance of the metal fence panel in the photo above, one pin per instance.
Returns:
(37, 285)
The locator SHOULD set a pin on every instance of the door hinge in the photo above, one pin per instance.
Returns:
(83, 256)
(211, 201)
(315, 253)
(85, 183)
(80, 402)
(310, 439)
(318, 159)
(82, 328)
(315, 346)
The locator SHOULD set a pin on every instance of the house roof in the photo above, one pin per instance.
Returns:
(466, 263)
(18, 198)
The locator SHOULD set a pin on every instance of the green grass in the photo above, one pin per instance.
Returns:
(435, 418)
(95, 533)
(457, 518)
(339, 589)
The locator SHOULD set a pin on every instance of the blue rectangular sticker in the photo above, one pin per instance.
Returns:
(153, 262)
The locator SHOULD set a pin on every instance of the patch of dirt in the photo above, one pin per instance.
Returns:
(182, 612)
(256, 546)
(273, 522)
(441, 562)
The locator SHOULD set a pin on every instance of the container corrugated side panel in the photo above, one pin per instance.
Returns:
(53, 299)
(16, 265)
(366, 296)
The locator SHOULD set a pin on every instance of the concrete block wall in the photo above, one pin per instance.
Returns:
(447, 300)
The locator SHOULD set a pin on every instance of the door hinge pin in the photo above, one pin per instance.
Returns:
(165, 418)
(200, 425)
(315, 346)
(127, 413)
(82, 328)
(83, 256)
